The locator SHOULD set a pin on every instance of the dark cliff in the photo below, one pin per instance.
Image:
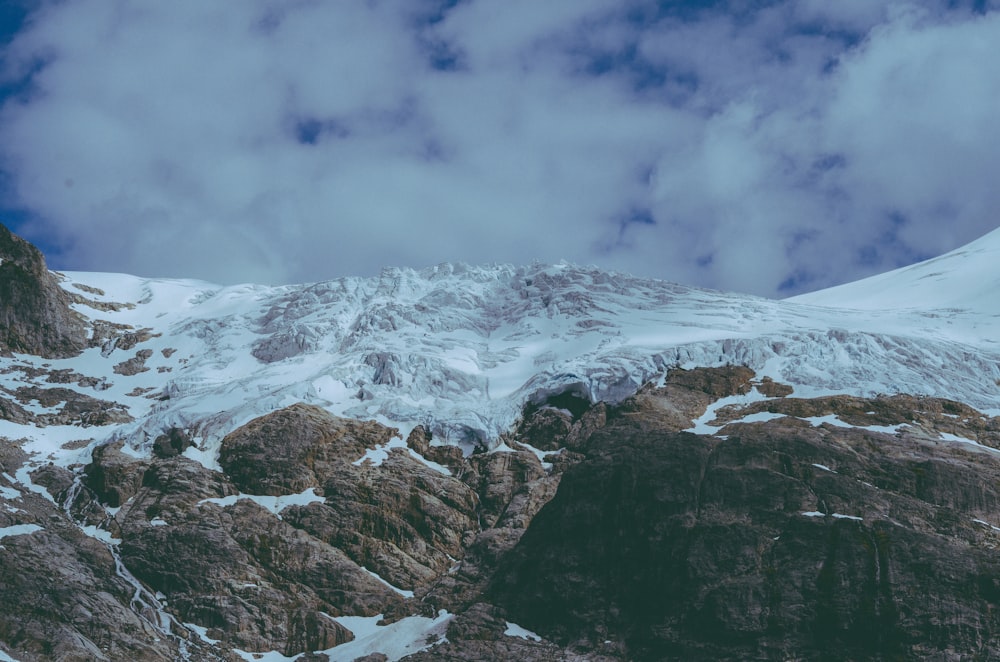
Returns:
(35, 313)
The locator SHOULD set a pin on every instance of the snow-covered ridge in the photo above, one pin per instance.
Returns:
(460, 349)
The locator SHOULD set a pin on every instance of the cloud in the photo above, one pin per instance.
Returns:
(765, 147)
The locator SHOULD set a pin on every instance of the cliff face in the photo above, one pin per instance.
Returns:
(35, 317)
(776, 539)
(831, 528)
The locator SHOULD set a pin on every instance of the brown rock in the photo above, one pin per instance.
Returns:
(77, 408)
(292, 449)
(35, 313)
(134, 365)
(256, 582)
(114, 476)
(773, 389)
(401, 519)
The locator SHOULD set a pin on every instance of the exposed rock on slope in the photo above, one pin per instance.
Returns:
(62, 598)
(77, 408)
(35, 317)
(775, 540)
(830, 528)
(293, 448)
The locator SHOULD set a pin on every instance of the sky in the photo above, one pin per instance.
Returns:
(764, 146)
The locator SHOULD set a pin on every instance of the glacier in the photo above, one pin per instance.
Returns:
(461, 349)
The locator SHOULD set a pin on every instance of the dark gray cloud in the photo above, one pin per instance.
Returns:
(770, 147)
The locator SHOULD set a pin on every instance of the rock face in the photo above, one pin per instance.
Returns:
(293, 448)
(62, 598)
(35, 317)
(76, 408)
(834, 528)
(774, 540)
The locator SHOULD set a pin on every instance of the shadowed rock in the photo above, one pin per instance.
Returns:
(35, 313)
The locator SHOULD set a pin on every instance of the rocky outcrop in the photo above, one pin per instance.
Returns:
(173, 442)
(62, 597)
(77, 408)
(35, 313)
(292, 449)
(774, 540)
(236, 567)
(261, 578)
(134, 365)
(113, 476)
(686, 394)
(286, 344)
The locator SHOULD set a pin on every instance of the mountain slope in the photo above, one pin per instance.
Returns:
(460, 349)
(965, 279)
(431, 446)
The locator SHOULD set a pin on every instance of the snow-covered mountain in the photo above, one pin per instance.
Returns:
(460, 351)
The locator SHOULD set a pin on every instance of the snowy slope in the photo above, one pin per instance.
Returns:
(460, 349)
(967, 278)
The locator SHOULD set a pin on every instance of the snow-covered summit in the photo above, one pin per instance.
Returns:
(967, 278)
(460, 349)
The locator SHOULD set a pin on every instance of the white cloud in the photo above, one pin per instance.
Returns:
(802, 144)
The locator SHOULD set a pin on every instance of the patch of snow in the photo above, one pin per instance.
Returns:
(816, 513)
(440, 468)
(402, 592)
(515, 630)
(760, 417)
(824, 468)
(4, 657)
(376, 456)
(10, 493)
(23, 476)
(274, 504)
(208, 458)
(201, 632)
(100, 534)
(18, 530)
(947, 436)
(979, 521)
(701, 425)
(542, 455)
(887, 429)
(829, 419)
(270, 656)
(832, 419)
(157, 521)
(397, 640)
